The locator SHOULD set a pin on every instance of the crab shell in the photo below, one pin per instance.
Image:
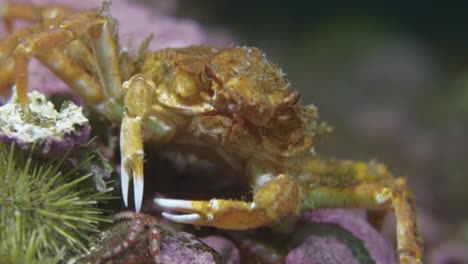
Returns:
(237, 98)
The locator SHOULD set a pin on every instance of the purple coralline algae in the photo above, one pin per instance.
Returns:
(325, 245)
(317, 249)
(185, 248)
(226, 248)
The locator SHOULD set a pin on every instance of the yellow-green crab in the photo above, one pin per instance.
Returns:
(233, 101)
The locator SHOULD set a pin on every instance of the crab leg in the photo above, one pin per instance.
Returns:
(28, 12)
(370, 186)
(43, 45)
(136, 227)
(137, 106)
(7, 61)
(384, 196)
(153, 239)
(330, 184)
(7, 68)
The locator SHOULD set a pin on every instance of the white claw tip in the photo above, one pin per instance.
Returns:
(173, 204)
(138, 191)
(185, 218)
(124, 180)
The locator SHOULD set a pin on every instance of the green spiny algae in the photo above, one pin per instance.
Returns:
(47, 212)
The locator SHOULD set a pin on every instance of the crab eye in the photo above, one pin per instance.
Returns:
(209, 71)
(294, 98)
(208, 74)
(285, 115)
(204, 79)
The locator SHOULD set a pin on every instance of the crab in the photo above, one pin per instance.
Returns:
(140, 238)
(138, 223)
(233, 103)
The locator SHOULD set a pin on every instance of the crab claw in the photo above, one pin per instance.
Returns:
(137, 186)
(131, 146)
(225, 214)
(124, 182)
(137, 101)
(275, 199)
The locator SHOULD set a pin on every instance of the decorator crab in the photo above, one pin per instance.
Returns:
(232, 101)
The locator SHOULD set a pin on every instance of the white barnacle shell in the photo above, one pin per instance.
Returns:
(44, 125)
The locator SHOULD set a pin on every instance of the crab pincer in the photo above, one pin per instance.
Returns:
(137, 106)
(277, 198)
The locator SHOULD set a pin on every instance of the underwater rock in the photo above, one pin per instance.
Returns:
(333, 236)
(228, 251)
(186, 248)
(316, 249)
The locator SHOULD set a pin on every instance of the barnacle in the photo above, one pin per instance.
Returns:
(49, 130)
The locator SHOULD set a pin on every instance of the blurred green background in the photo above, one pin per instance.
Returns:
(391, 77)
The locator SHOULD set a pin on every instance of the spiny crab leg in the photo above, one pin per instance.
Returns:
(277, 198)
(137, 105)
